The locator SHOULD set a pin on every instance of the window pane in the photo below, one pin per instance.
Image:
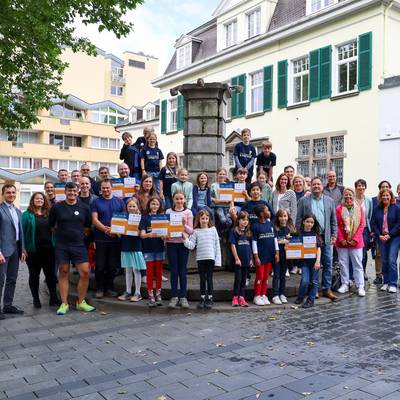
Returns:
(26, 163)
(297, 89)
(320, 169)
(15, 162)
(37, 163)
(337, 166)
(104, 143)
(68, 141)
(352, 75)
(320, 147)
(337, 145)
(95, 141)
(343, 78)
(113, 143)
(25, 197)
(304, 148)
(305, 88)
(112, 119)
(4, 162)
(303, 168)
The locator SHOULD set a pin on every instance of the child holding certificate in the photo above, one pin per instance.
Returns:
(181, 220)
(131, 253)
(309, 230)
(153, 251)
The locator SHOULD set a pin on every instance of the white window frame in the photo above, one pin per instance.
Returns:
(117, 74)
(251, 89)
(107, 147)
(101, 112)
(337, 64)
(231, 36)
(293, 76)
(253, 17)
(21, 162)
(322, 5)
(119, 90)
(172, 120)
(151, 110)
(184, 55)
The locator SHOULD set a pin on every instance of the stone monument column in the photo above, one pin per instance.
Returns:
(204, 126)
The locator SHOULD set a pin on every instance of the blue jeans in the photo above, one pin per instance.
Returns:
(308, 276)
(326, 264)
(389, 253)
(167, 202)
(178, 256)
(155, 180)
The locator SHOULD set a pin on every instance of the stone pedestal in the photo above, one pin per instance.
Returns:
(204, 126)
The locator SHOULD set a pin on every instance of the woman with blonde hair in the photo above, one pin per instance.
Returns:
(350, 243)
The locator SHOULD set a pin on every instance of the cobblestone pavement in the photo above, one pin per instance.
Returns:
(347, 351)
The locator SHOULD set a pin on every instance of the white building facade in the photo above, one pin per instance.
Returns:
(319, 78)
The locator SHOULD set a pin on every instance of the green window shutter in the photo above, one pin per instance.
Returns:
(234, 82)
(241, 107)
(325, 72)
(164, 116)
(365, 61)
(314, 79)
(282, 83)
(180, 113)
(268, 79)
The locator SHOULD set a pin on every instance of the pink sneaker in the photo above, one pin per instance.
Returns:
(242, 302)
(235, 301)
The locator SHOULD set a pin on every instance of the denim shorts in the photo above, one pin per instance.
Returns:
(154, 256)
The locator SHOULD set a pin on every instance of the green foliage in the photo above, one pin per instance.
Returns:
(33, 34)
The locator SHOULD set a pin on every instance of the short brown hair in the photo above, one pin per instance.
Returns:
(246, 130)
(267, 144)
(7, 186)
(125, 135)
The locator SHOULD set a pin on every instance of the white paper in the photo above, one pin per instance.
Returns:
(240, 187)
(311, 255)
(176, 234)
(309, 239)
(159, 231)
(309, 245)
(132, 233)
(118, 229)
(117, 193)
(60, 197)
(129, 182)
(293, 253)
(226, 197)
(134, 219)
(175, 219)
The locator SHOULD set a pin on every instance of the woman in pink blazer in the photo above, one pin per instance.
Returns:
(349, 242)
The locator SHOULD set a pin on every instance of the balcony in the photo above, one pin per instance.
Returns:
(117, 78)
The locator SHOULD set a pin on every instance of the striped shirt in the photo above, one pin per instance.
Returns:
(207, 243)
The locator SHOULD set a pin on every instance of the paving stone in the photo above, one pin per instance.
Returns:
(357, 395)
(381, 388)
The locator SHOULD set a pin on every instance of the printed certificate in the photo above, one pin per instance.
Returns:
(59, 189)
(119, 222)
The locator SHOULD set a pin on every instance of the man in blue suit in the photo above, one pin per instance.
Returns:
(12, 249)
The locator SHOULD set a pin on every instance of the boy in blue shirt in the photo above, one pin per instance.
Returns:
(244, 154)
(151, 159)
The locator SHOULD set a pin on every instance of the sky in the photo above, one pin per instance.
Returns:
(157, 25)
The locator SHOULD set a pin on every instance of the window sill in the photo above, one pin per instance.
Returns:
(298, 105)
(256, 114)
(344, 95)
(171, 132)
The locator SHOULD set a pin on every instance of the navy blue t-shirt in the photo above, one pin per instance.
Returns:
(152, 157)
(281, 235)
(249, 207)
(243, 246)
(168, 176)
(150, 245)
(245, 154)
(266, 162)
(265, 236)
(131, 243)
(105, 209)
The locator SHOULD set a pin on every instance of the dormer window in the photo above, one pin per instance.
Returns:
(184, 56)
(231, 36)
(317, 5)
(133, 115)
(253, 19)
(149, 113)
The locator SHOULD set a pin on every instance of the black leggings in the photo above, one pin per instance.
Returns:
(206, 269)
(279, 279)
(44, 259)
(239, 285)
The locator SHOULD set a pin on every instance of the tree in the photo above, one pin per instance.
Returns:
(33, 34)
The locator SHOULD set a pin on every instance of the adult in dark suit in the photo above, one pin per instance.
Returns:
(12, 249)
(323, 207)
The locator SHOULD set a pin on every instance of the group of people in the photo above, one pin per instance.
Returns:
(341, 224)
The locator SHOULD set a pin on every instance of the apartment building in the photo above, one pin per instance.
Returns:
(320, 79)
(99, 91)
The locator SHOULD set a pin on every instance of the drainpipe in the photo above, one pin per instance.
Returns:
(387, 4)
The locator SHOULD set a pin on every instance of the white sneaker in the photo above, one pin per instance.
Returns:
(361, 292)
(384, 287)
(247, 282)
(299, 271)
(294, 270)
(276, 300)
(144, 279)
(164, 278)
(392, 289)
(343, 289)
(283, 299)
(258, 301)
(265, 300)
(287, 274)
